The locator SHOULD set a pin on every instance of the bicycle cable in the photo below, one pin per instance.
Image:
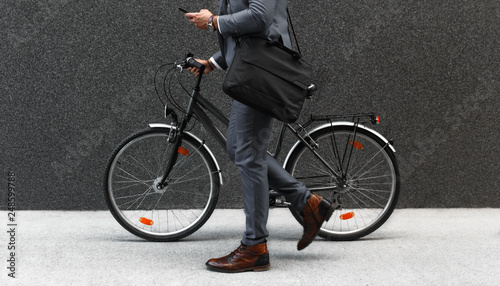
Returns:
(154, 81)
(167, 92)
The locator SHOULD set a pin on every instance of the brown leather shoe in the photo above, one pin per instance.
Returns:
(245, 258)
(316, 211)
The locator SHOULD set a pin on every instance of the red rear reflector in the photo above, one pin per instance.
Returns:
(183, 151)
(356, 145)
(146, 221)
(378, 119)
(347, 216)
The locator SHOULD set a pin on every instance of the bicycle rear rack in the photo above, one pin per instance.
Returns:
(355, 117)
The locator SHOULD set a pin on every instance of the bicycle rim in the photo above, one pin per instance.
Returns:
(168, 213)
(366, 183)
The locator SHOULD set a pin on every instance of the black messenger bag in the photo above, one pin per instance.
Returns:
(269, 77)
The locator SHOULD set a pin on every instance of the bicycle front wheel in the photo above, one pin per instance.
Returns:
(161, 214)
(351, 166)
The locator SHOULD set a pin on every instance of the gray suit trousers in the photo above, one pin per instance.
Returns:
(247, 142)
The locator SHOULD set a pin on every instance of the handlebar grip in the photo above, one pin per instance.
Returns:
(190, 62)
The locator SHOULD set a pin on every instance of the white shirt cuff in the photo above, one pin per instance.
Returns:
(212, 60)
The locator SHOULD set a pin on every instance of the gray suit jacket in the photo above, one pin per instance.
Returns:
(265, 18)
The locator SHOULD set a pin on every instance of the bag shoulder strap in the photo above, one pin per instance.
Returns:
(293, 30)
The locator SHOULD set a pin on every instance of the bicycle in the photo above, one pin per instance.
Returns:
(162, 183)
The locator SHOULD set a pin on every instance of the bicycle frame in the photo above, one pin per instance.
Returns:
(198, 102)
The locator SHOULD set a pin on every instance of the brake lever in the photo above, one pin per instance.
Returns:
(180, 67)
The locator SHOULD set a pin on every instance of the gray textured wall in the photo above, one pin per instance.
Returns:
(76, 78)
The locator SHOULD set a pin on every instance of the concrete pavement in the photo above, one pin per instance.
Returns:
(415, 247)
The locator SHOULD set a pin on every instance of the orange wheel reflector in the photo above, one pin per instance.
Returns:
(347, 216)
(183, 151)
(356, 145)
(146, 221)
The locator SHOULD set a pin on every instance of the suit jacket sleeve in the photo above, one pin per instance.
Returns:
(256, 18)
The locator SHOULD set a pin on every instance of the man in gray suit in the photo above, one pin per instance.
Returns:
(248, 136)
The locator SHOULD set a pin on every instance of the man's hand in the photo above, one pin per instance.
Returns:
(196, 71)
(200, 20)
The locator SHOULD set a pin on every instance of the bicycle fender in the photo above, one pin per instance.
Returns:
(339, 123)
(163, 125)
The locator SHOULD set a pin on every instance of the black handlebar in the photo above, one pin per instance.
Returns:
(191, 62)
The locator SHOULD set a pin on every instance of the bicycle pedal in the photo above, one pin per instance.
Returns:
(282, 205)
(278, 202)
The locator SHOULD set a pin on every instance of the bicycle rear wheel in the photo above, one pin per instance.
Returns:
(166, 214)
(365, 181)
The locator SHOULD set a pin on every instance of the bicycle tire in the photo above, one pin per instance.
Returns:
(372, 182)
(171, 213)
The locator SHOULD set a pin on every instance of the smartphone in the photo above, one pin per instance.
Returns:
(182, 10)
